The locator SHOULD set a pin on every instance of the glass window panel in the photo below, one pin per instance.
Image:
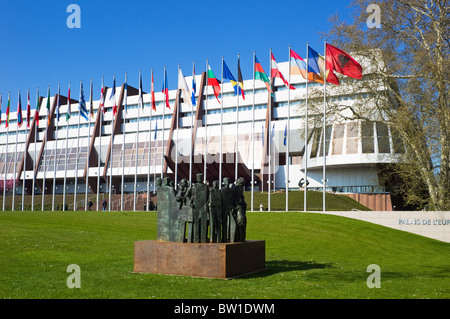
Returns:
(367, 137)
(338, 139)
(383, 138)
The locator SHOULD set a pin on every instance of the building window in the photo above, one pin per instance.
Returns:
(367, 137)
(315, 143)
(338, 139)
(383, 138)
(397, 142)
(327, 140)
(352, 138)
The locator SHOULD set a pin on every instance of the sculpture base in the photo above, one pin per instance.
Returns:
(211, 260)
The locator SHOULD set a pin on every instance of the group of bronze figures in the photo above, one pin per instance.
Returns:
(198, 213)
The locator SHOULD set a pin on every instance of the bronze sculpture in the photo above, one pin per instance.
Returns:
(200, 214)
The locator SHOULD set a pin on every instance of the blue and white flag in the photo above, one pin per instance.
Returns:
(82, 105)
(194, 86)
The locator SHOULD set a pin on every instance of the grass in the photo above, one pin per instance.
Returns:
(308, 256)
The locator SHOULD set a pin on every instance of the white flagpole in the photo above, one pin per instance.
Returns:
(178, 128)
(236, 162)
(100, 110)
(288, 131)
(305, 154)
(123, 143)
(206, 123)
(221, 131)
(56, 151)
(45, 152)
(149, 150)
(15, 162)
(324, 126)
(67, 155)
(163, 129)
(6, 154)
(35, 151)
(192, 127)
(137, 142)
(78, 155)
(25, 153)
(269, 131)
(112, 146)
(253, 135)
(88, 145)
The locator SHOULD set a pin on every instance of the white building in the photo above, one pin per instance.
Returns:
(354, 148)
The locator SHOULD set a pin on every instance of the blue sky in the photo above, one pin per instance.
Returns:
(38, 49)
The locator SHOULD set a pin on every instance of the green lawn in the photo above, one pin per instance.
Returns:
(308, 256)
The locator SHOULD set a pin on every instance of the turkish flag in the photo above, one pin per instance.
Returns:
(341, 62)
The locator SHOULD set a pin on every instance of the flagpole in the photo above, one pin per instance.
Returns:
(221, 132)
(56, 150)
(88, 145)
(192, 126)
(100, 110)
(237, 130)
(35, 150)
(6, 153)
(206, 124)
(288, 131)
(178, 128)
(112, 145)
(25, 153)
(163, 129)
(67, 144)
(149, 151)
(253, 135)
(137, 143)
(45, 149)
(269, 132)
(78, 152)
(305, 153)
(15, 161)
(123, 143)
(324, 126)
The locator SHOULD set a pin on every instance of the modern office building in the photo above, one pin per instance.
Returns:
(228, 136)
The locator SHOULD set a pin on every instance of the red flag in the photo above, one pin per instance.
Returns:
(341, 62)
(153, 94)
(212, 81)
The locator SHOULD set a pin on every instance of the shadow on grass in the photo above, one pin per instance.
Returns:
(279, 266)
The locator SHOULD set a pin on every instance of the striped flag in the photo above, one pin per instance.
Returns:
(261, 75)
(102, 100)
(141, 98)
(240, 80)
(214, 82)
(112, 98)
(165, 89)
(276, 73)
(82, 104)
(19, 112)
(7, 110)
(229, 76)
(0, 109)
(194, 86)
(153, 94)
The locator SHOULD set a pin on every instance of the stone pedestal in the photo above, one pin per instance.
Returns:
(211, 260)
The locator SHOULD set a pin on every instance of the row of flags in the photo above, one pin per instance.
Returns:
(313, 69)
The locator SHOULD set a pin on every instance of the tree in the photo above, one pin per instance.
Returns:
(409, 58)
